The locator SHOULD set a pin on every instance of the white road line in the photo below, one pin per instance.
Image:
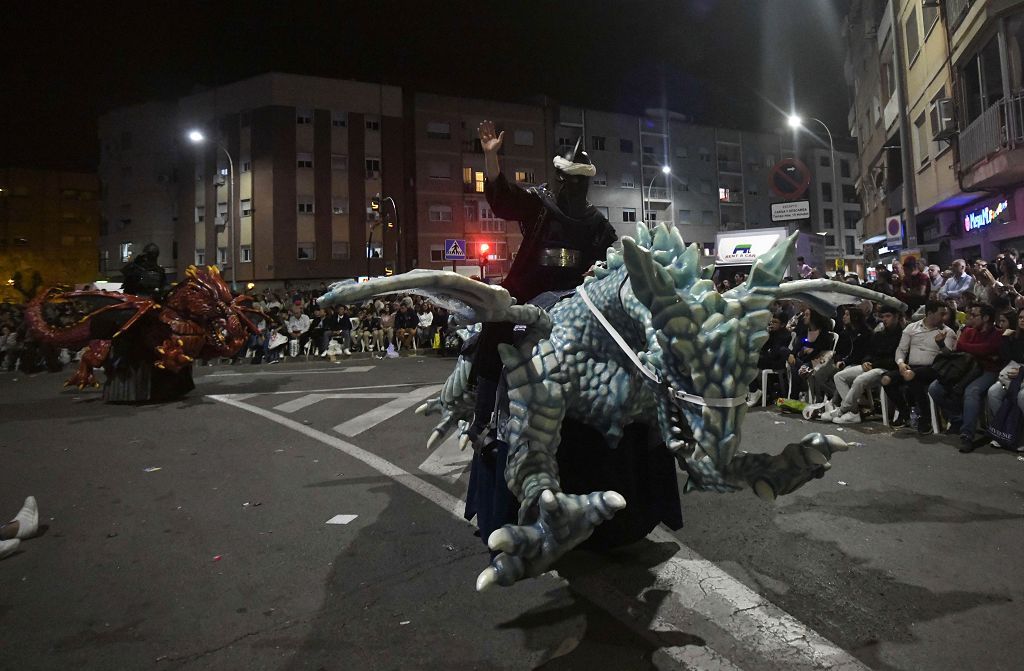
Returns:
(314, 371)
(448, 461)
(309, 399)
(368, 420)
(695, 584)
(338, 389)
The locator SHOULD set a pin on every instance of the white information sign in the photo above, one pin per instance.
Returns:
(797, 209)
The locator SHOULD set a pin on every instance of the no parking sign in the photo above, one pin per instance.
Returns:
(789, 179)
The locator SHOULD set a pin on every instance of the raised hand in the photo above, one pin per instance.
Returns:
(488, 140)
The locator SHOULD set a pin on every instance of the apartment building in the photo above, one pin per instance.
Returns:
(49, 224)
(450, 202)
(835, 206)
(138, 185)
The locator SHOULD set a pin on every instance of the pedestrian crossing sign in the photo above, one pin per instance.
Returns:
(454, 250)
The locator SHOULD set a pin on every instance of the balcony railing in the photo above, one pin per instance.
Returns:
(730, 166)
(659, 193)
(988, 133)
(955, 11)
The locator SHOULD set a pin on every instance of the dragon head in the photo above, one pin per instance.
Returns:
(701, 343)
(205, 298)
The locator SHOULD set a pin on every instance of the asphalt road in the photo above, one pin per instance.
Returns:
(906, 555)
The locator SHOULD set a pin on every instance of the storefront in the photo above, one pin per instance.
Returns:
(988, 226)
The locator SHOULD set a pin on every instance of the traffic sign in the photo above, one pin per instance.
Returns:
(894, 232)
(793, 210)
(789, 179)
(454, 250)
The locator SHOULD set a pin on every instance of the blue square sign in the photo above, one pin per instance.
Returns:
(454, 250)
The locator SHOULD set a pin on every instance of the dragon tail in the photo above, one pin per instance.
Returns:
(71, 336)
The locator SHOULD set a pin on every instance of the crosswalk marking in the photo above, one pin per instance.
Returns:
(448, 461)
(372, 418)
(310, 399)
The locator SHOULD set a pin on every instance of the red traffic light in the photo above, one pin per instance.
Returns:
(484, 247)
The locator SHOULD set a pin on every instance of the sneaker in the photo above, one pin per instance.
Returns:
(847, 418)
(7, 548)
(347, 352)
(967, 443)
(28, 518)
(273, 362)
(753, 398)
(831, 413)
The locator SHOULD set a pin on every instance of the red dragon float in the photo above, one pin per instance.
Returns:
(146, 346)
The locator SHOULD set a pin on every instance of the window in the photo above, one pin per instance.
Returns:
(339, 162)
(439, 130)
(929, 13)
(246, 207)
(684, 217)
(472, 180)
(339, 119)
(523, 138)
(844, 167)
(439, 170)
(478, 181)
(769, 160)
(245, 254)
(752, 190)
(648, 151)
(705, 155)
(826, 192)
(436, 254)
(200, 214)
(683, 183)
(705, 186)
(305, 205)
(723, 194)
(200, 257)
(597, 142)
(851, 245)
(304, 160)
(850, 194)
(303, 116)
(246, 166)
(603, 210)
(339, 206)
(600, 179)
(525, 176)
(629, 214)
(565, 144)
(306, 251)
(222, 213)
(707, 218)
(340, 250)
(627, 181)
(626, 146)
(982, 80)
(125, 249)
(490, 224)
(850, 220)
(830, 240)
(828, 217)
(470, 207)
(441, 213)
(372, 168)
(921, 140)
(911, 37)
(373, 123)
(222, 256)
(682, 151)
(824, 161)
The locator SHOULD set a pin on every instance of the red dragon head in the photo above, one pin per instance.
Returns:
(205, 299)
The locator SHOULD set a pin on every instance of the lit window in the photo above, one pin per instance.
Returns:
(126, 251)
(478, 184)
(524, 176)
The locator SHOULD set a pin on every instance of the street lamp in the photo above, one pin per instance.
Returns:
(665, 170)
(197, 137)
(796, 123)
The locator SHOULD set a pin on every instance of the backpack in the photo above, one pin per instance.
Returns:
(955, 370)
(1005, 424)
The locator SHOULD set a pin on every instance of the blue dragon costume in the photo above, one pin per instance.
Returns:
(645, 339)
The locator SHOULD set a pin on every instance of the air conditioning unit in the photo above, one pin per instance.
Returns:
(943, 119)
(220, 222)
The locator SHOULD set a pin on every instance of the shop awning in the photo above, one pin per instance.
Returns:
(874, 240)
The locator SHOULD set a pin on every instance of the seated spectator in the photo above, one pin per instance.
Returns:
(297, 325)
(317, 329)
(809, 349)
(850, 350)
(372, 335)
(854, 380)
(773, 355)
(980, 339)
(387, 323)
(1012, 354)
(424, 327)
(920, 343)
(344, 331)
(406, 323)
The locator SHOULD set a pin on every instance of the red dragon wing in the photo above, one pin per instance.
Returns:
(87, 306)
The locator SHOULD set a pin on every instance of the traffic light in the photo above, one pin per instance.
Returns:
(484, 248)
(389, 270)
(375, 203)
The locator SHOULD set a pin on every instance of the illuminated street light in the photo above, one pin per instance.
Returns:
(665, 170)
(197, 137)
(796, 123)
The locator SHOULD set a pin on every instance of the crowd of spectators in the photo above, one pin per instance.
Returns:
(956, 350)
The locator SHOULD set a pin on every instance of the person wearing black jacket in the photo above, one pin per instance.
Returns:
(850, 350)
(808, 347)
(772, 356)
(880, 357)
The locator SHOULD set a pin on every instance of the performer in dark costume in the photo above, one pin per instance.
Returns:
(143, 275)
(563, 236)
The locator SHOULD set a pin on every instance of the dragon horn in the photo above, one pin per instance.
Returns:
(652, 284)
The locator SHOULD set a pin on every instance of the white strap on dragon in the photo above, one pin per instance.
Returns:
(647, 371)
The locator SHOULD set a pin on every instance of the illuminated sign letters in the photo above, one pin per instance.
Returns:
(978, 219)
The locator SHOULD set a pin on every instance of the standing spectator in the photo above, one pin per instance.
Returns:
(805, 270)
(980, 339)
(405, 323)
(854, 380)
(920, 343)
(959, 283)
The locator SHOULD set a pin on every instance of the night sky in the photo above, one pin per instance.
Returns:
(731, 63)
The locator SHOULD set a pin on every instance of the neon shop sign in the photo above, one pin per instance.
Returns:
(981, 218)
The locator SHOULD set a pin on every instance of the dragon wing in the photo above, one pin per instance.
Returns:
(824, 296)
(469, 300)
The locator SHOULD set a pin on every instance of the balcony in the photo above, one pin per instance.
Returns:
(730, 166)
(658, 193)
(955, 12)
(992, 146)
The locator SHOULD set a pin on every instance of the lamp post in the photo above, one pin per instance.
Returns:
(795, 122)
(197, 137)
(665, 170)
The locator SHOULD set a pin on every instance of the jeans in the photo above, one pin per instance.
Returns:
(968, 411)
(851, 383)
